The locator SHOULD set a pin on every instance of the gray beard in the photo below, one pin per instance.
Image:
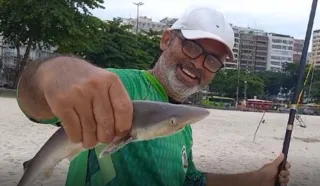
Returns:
(176, 87)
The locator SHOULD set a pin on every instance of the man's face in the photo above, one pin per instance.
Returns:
(188, 66)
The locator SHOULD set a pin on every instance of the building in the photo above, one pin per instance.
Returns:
(8, 55)
(168, 21)
(297, 50)
(280, 51)
(144, 23)
(9, 59)
(234, 64)
(253, 50)
(309, 55)
(236, 48)
(315, 56)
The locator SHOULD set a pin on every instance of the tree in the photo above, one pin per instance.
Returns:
(89, 40)
(40, 24)
(218, 85)
(226, 82)
(315, 88)
(273, 82)
(150, 42)
(116, 47)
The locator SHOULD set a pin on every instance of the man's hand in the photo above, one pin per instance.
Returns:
(91, 102)
(269, 172)
(265, 176)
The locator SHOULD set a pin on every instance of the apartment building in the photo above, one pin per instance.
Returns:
(234, 64)
(168, 22)
(144, 23)
(315, 56)
(280, 51)
(8, 60)
(309, 55)
(8, 55)
(253, 50)
(297, 50)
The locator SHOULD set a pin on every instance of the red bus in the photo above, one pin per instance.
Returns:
(259, 104)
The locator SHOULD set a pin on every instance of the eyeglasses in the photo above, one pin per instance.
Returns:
(193, 50)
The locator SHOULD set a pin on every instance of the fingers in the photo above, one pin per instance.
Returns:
(122, 107)
(71, 124)
(63, 108)
(284, 173)
(104, 117)
(84, 106)
(283, 180)
(279, 159)
(288, 166)
(95, 109)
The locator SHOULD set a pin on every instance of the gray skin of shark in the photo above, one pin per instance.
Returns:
(150, 120)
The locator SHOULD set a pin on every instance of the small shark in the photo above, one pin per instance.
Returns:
(151, 119)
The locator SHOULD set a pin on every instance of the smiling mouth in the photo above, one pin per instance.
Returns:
(188, 73)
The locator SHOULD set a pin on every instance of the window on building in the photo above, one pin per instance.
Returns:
(275, 57)
(276, 46)
(276, 40)
(275, 63)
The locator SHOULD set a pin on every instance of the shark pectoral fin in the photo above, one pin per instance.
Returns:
(26, 164)
(115, 145)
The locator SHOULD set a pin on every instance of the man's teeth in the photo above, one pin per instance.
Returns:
(188, 73)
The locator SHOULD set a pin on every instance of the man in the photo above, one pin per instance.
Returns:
(93, 105)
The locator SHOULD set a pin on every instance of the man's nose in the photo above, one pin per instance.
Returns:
(198, 63)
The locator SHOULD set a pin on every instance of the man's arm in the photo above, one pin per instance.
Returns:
(195, 177)
(30, 96)
(30, 91)
(91, 103)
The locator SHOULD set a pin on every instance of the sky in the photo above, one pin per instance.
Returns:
(288, 17)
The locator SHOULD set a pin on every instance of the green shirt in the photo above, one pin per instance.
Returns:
(160, 162)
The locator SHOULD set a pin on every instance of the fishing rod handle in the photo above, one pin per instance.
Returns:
(286, 145)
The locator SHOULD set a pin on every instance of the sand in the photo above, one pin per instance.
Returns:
(222, 144)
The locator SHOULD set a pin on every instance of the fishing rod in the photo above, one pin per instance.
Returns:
(287, 139)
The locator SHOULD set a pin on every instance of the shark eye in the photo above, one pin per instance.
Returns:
(173, 121)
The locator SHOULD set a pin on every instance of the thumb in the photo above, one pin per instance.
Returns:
(278, 160)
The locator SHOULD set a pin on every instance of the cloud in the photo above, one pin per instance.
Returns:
(281, 16)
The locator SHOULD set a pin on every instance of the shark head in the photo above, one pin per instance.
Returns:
(157, 119)
(153, 119)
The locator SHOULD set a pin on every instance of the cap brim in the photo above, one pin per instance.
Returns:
(199, 34)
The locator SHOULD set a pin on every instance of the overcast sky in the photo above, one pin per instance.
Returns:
(280, 16)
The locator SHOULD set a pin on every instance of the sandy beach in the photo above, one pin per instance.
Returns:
(223, 143)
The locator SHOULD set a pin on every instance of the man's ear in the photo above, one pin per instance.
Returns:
(165, 39)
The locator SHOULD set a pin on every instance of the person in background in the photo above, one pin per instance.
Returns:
(94, 105)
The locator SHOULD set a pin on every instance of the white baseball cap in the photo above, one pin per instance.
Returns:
(204, 22)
